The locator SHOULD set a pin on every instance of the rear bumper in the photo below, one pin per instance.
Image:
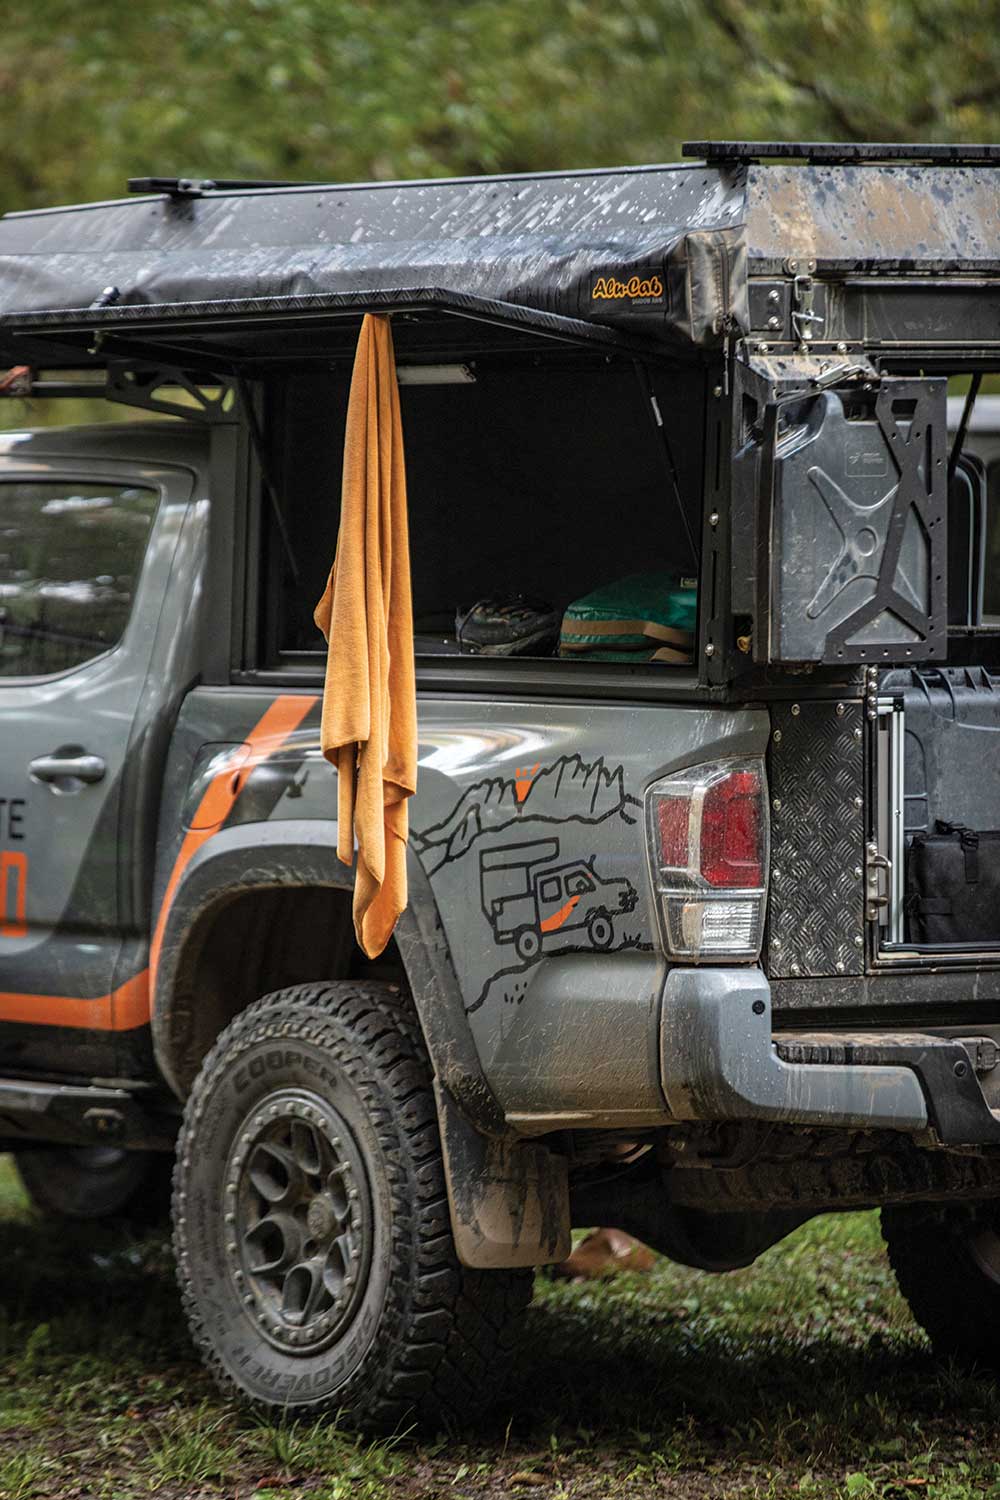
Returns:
(719, 1062)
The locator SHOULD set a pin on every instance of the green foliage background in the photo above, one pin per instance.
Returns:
(348, 89)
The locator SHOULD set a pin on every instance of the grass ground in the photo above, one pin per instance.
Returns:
(804, 1376)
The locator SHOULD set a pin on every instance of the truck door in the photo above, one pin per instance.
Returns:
(85, 554)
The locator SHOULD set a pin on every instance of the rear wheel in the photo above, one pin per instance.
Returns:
(311, 1220)
(527, 944)
(947, 1262)
(97, 1182)
(601, 931)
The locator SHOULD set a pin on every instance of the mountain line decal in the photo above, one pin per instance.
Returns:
(567, 791)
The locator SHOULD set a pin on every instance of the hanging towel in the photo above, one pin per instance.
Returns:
(369, 727)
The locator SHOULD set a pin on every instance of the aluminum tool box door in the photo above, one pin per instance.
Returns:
(852, 529)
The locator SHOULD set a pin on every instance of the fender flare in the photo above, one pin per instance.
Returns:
(303, 853)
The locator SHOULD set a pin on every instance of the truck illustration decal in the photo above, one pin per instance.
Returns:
(526, 843)
(528, 892)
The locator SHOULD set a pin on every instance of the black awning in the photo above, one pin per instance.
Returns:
(657, 256)
(652, 253)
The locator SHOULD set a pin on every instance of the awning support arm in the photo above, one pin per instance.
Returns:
(257, 443)
(663, 442)
(963, 426)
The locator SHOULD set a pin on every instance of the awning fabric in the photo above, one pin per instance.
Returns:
(652, 250)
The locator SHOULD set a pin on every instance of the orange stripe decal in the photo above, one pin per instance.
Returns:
(125, 1007)
(270, 732)
(553, 923)
(130, 1004)
(13, 861)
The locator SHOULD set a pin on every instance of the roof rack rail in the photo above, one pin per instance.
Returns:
(194, 187)
(839, 152)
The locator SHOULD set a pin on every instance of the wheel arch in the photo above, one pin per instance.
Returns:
(285, 882)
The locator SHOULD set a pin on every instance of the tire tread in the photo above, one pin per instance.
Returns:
(951, 1297)
(445, 1329)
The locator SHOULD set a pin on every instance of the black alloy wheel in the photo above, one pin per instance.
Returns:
(311, 1219)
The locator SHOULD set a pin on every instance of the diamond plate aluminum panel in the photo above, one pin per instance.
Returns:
(816, 909)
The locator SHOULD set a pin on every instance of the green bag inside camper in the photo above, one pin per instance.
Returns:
(644, 617)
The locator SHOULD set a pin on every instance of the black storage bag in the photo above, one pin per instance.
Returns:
(953, 886)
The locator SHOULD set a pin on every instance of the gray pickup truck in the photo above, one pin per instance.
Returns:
(698, 947)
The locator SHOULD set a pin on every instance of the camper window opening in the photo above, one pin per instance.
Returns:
(974, 502)
(543, 508)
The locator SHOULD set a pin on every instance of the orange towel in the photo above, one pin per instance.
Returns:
(369, 728)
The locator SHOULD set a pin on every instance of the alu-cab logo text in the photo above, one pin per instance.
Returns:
(637, 288)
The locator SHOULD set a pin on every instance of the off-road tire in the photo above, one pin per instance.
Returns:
(425, 1337)
(97, 1182)
(940, 1254)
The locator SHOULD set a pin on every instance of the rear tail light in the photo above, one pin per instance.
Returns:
(707, 831)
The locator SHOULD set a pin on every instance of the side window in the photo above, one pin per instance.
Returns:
(578, 884)
(550, 889)
(70, 556)
(539, 497)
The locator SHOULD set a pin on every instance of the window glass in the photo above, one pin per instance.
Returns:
(578, 884)
(551, 889)
(70, 556)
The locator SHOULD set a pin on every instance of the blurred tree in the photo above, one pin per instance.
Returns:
(347, 89)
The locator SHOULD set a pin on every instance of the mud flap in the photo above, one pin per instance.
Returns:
(509, 1198)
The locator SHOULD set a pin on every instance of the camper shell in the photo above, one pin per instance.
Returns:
(776, 274)
(704, 932)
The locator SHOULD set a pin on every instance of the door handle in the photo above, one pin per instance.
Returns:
(875, 901)
(68, 769)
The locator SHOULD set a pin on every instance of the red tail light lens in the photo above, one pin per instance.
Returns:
(673, 820)
(732, 843)
(708, 833)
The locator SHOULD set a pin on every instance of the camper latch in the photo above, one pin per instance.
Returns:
(838, 373)
(876, 899)
(804, 316)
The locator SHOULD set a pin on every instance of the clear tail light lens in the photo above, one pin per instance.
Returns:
(707, 829)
